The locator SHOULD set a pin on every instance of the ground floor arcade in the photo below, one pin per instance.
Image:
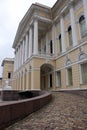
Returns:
(41, 74)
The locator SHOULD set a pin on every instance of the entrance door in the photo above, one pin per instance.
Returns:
(46, 76)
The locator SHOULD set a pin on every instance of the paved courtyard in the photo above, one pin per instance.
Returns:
(64, 112)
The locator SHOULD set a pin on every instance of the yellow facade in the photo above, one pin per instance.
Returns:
(51, 47)
(8, 70)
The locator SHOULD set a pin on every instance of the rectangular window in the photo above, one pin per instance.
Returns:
(60, 43)
(59, 79)
(51, 47)
(69, 74)
(50, 80)
(9, 75)
(84, 73)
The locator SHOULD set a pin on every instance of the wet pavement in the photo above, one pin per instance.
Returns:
(65, 112)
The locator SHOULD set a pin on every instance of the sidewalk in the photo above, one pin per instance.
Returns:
(64, 112)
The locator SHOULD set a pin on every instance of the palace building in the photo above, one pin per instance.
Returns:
(51, 47)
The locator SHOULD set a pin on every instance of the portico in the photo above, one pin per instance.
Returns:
(31, 45)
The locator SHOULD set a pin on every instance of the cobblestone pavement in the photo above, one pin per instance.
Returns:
(64, 112)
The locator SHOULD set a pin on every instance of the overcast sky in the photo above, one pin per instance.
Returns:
(11, 12)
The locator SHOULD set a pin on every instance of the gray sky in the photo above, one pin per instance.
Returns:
(11, 12)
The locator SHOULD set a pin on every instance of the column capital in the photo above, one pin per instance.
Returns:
(35, 19)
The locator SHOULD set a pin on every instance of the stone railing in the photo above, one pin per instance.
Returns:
(79, 92)
(11, 111)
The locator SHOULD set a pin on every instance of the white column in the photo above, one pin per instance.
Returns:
(20, 54)
(36, 37)
(30, 41)
(23, 80)
(53, 37)
(85, 10)
(15, 62)
(62, 34)
(23, 50)
(73, 25)
(46, 43)
(26, 45)
(17, 59)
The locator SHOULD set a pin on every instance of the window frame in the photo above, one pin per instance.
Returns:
(81, 78)
(9, 75)
(57, 80)
(67, 77)
(82, 33)
(60, 43)
(70, 36)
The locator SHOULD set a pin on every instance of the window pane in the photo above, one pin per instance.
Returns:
(51, 47)
(59, 78)
(70, 36)
(70, 82)
(84, 72)
(83, 26)
(50, 80)
(60, 44)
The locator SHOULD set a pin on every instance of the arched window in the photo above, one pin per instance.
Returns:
(82, 24)
(60, 44)
(70, 36)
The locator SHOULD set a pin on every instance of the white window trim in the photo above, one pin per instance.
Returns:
(56, 80)
(82, 14)
(67, 78)
(81, 82)
(57, 84)
(80, 73)
(67, 83)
